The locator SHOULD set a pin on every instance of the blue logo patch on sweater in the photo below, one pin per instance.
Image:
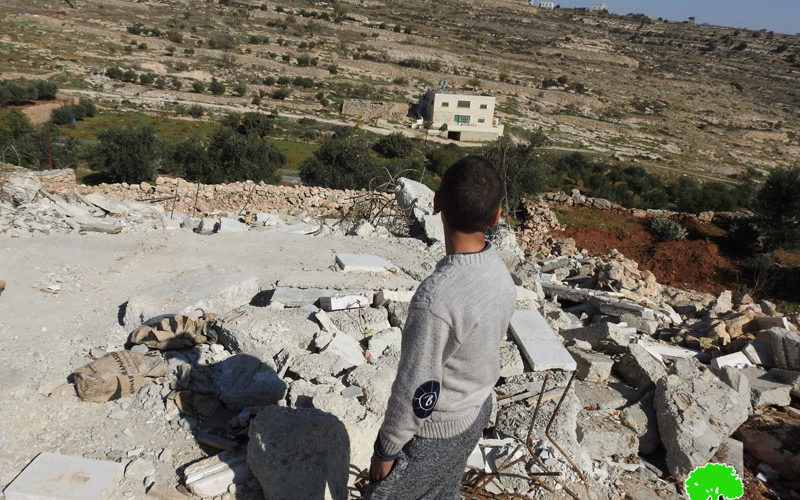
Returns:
(425, 398)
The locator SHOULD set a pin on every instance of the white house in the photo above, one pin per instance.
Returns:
(547, 5)
(468, 116)
(599, 7)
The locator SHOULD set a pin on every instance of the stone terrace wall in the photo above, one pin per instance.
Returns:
(372, 110)
(236, 196)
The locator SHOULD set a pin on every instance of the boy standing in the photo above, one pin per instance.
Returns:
(450, 353)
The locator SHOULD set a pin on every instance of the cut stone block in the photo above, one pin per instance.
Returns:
(785, 348)
(212, 292)
(767, 322)
(364, 263)
(228, 225)
(107, 203)
(339, 303)
(555, 290)
(765, 391)
(413, 195)
(355, 282)
(434, 230)
(758, 352)
(613, 337)
(384, 296)
(346, 348)
(666, 352)
(619, 308)
(736, 360)
(51, 475)
(214, 475)
(592, 366)
(553, 263)
(387, 338)
(639, 368)
(244, 380)
(298, 297)
(648, 326)
(325, 322)
(264, 332)
(788, 377)
(542, 348)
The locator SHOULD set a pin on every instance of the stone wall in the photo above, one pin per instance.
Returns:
(374, 110)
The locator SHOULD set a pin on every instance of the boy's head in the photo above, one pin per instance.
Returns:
(469, 195)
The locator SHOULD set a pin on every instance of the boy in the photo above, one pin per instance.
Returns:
(450, 353)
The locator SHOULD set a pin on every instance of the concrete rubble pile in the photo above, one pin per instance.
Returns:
(610, 382)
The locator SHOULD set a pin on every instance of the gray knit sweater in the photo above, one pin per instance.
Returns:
(450, 352)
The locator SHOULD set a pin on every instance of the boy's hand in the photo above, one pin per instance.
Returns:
(379, 469)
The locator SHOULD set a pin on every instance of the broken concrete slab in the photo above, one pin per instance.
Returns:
(414, 197)
(347, 348)
(383, 297)
(620, 307)
(243, 380)
(433, 227)
(592, 366)
(789, 377)
(325, 322)
(228, 225)
(264, 332)
(612, 395)
(639, 368)
(510, 360)
(785, 346)
(735, 380)
(758, 352)
(314, 366)
(603, 436)
(299, 453)
(217, 292)
(767, 322)
(380, 341)
(667, 352)
(612, 337)
(640, 417)
(349, 281)
(107, 203)
(736, 360)
(504, 241)
(558, 291)
(723, 304)
(52, 475)
(766, 391)
(696, 411)
(376, 382)
(213, 476)
(361, 323)
(551, 264)
(398, 313)
(364, 263)
(731, 452)
(642, 325)
(543, 349)
(298, 297)
(342, 302)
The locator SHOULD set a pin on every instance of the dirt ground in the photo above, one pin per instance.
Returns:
(697, 263)
(45, 336)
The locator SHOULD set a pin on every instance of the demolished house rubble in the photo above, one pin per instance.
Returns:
(611, 383)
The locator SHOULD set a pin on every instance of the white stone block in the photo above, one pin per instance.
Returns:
(364, 263)
(343, 302)
(228, 225)
(297, 297)
(212, 477)
(541, 346)
(347, 348)
(433, 227)
(55, 476)
(736, 359)
(384, 296)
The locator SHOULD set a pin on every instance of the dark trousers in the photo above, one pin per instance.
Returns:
(428, 469)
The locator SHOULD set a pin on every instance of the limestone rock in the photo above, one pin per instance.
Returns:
(603, 436)
(641, 419)
(505, 243)
(264, 332)
(723, 304)
(765, 390)
(510, 360)
(696, 411)
(640, 368)
(347, 348)
(411, 195)
(244, 380)
(594, 367)
(213, 292)
(785, 348)
(376, 382)
(771, 438)
(434, 230)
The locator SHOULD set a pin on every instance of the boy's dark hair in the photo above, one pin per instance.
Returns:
(470, 193)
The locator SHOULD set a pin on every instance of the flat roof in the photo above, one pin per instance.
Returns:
(463, 92)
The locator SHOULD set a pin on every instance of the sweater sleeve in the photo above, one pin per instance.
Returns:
(415, 391)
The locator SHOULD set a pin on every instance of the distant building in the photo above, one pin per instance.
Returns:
(599, 7)
(469, 116)
(546, 5)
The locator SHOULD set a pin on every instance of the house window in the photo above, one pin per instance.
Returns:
(483, 106)
(463, 104)
(461, 119)
(445, 104)
(481, 120)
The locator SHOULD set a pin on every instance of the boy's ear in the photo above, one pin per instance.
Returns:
(437, 204)
(496, 217)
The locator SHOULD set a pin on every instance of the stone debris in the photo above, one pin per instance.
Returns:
(69, 476)
(301, 368)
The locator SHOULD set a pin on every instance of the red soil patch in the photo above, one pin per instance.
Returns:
(695, 263)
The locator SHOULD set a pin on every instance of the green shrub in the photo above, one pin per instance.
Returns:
(269, 81)
(114, 73)
(442, 158)
(198, 86)
(394, 145)
(333, 69)
(239, 89)
(281, 94)
(667, 229)
(778, 204)
(522, 167)
(196, 111)
(128, 154)
(146, 78)
(216, 87)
